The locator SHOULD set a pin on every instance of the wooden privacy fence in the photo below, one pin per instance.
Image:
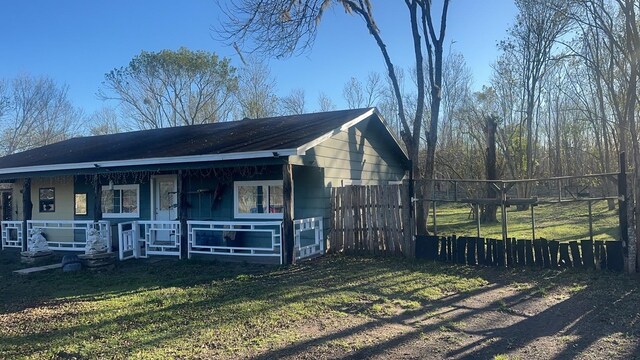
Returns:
(513, 253)
(371, 219)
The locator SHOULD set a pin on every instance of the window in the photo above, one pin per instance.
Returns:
(47, 199)
(121, 201)
(258, 199)
(80, 204)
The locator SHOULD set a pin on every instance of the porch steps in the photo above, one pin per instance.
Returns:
(31, 270)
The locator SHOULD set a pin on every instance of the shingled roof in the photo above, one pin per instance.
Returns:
(251, 138)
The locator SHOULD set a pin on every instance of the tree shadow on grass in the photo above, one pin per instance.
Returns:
(586, 322)
(157, 317)
(19, 292)
(224, 310)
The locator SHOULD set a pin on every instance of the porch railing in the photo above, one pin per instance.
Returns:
(128, 240)
(309, 238)
(68, 229)
(11, 234)
(139, 239)
(223, 238)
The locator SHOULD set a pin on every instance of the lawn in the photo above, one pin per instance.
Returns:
(562, 222)
(333, 307)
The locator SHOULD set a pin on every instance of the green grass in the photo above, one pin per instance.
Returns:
(198, 309)
(563, 222)
(190, 308)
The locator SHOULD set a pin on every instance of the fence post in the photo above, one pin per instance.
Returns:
(183, 208)
(503, 201)
(623, 204)
(27, 211)
(287, 240)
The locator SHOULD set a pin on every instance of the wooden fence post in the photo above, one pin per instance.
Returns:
(97, 198)
(27, 211)
(287, 215)
(623, 213)
(182, 213)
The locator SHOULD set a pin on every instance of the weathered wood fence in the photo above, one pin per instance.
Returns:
(541, 253)
(371, 219)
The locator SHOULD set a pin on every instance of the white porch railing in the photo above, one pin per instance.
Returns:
(67, 229)
(219, 238)
(11, 234)
(139, 239)
(309, 238)
(128, 240)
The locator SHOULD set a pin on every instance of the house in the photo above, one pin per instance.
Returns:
(255, 190)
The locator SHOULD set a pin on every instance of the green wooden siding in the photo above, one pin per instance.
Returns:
(309, 192)
(84, 184)
(202, 185)
(211, 198)
(365, 152)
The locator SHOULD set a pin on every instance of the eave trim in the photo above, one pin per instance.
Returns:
(151, 161)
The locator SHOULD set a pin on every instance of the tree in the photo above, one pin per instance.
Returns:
(353, 93)
(173, 88)
(284, 27)
(539, 24)
(477, 125)
(294, 103)
(35, 111)
(358, 96)
(456, 94)
(325, 103)
(105, 121)
(618, 23)
(256, 95)
(5, 102)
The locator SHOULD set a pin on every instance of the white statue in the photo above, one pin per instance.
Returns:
(96, 243)
(37, 242)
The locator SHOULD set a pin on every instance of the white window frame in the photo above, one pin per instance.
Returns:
(121, 215)
(263, 183)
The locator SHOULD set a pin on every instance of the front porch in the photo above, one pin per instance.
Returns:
(141, 239)
(244, 212)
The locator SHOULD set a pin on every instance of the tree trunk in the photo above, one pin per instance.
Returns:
(489, 211)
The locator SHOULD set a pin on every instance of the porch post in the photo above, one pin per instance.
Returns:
(27, 211)
(182, 213)
(97, 196)
(287, 215)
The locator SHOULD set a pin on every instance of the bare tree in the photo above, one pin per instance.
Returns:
(5, 101)
(537, 28)
(284, 27)
(618, 22)
(257, 92)
(173, 88)
(353, 93)
(106, 121)
(358, 95)
(539, 24)
(35, 112)
(325, 103)
(294, 103)
(456, 92)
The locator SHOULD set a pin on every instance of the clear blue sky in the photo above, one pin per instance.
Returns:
(77, 41)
